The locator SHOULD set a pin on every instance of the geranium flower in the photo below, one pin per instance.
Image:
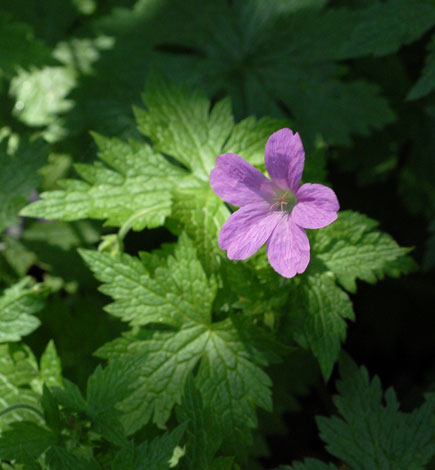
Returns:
(275, 211)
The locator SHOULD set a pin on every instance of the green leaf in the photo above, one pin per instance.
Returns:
(351, 248)
(231, 380)
(309, 464)
(79, 54)
(155, 454)
(383, 27)
(51, 367)
(426, 83)
(165, 355)
(40, 95)
(317, 320)
(202, 215)
(222, 463)
(270, 59)
(54, 247)
(229, 355)
(370, 434)
(19, 46)
(229, 376)
(52, 25)
(181, 124)
(70, 397)
(244, 280)
(249, 136)
(138, 187)
(18, 178)
(203, 433)
(177, 293)
(16, 260)
(60, 234)
(58, 457)
(105, 389)
(25, 442)
(18, 304)
(132, 188)
(18, 372)
(51, 410)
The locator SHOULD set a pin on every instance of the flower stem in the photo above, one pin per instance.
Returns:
(128, 224)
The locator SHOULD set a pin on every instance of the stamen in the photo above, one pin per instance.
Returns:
(285, 202)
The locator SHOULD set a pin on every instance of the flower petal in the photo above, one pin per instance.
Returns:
(288, 248)
(317, 206)
(246, 231)
(285, 159)
(238, 182)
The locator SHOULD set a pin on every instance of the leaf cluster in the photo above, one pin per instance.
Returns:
(196, 357)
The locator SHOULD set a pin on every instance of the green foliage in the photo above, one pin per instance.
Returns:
(373, 432)
(347, 250)
(309, 464)
(178, 294)
(314, 307)
(352, 248)
(18, 178)
(105, 388)
(406, 437)
(263, 57)
(17, 306)
(203, 433)
(59, 457)
(143, 183)
(22, 381)
(319, 309)
(141, 179)
(193, 341)
(156, 454)
(425, 84)
(31, 90)
(25, 442)
(19, 45)
(181, 124)
(81, 421)
(228, 353)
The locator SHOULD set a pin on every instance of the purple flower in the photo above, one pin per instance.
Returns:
(277, 211)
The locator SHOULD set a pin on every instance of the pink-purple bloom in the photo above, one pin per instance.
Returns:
(275, 211)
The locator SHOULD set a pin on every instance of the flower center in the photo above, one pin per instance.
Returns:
(284, 202)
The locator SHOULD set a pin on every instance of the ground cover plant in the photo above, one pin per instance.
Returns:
(217, 234)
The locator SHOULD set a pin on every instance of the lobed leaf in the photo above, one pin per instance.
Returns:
(351, 248)
(176, 293)
(318, 317)
(18, 304)
(18, 372)
(138, 180)
(374, 434)
(181, 124)
(229, 356)
(24, 442)
(203, 433)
